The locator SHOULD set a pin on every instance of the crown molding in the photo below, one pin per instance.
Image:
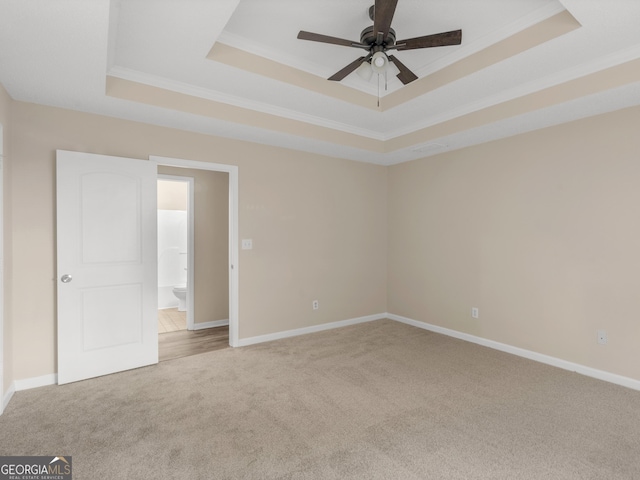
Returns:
(187, 89)
(567, 75)
(601, 64)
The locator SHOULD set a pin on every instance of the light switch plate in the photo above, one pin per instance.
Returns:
(247, 244)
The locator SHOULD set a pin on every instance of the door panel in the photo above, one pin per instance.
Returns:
(106, 235)
(110, 316)
(116, 240)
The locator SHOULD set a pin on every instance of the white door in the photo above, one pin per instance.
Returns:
(107, 265)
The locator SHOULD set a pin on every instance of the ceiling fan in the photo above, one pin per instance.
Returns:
(378, 40)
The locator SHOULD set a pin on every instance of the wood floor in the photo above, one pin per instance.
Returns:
(171, 320)
(185, 342)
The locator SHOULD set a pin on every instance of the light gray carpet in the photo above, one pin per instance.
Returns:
(380, 400)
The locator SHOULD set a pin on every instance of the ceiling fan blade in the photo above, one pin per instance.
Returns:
(316, 37)
(382, 16)
(405, 75)
(348, 69)
(437, 40)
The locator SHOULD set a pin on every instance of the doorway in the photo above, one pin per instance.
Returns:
(193, 261)
(229, 260)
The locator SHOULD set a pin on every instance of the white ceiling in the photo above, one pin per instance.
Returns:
(60, 52)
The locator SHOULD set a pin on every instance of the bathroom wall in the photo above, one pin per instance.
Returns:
(172, 240)
(211, 242)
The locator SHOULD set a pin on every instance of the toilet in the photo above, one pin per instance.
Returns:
(180, 291)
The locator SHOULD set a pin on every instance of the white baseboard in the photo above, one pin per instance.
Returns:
(215, 323)
(243, 342)
(35, 382)
(7, 397)
(26, 384)
(521, 352)
(52, 379)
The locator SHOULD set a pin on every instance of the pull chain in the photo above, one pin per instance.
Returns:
(386, 85)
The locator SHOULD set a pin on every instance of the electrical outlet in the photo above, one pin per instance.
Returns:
(315, 305)
(475, 313)
(602, 337)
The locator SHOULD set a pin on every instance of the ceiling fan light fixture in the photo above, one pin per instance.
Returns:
(365, 71)
(379, 62)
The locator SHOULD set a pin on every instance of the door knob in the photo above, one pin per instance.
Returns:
(66, 278)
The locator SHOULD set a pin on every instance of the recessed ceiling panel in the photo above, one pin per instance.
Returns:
(253, 27)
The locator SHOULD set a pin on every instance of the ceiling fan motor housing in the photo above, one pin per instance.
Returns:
(367, 37)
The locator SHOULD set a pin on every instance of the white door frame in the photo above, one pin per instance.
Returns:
(190, 243)
(234, 268)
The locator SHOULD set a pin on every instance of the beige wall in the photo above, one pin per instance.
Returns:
(211, 242)
(318, 225)
(541, 232)
(5, 120)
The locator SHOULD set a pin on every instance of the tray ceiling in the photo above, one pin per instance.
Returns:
(234, 68)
